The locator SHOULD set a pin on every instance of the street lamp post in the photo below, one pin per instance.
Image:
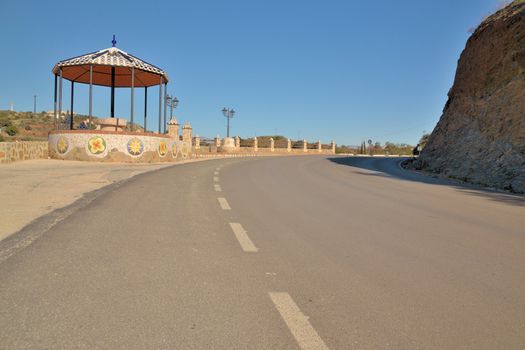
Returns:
(172, 102)
(228, 113)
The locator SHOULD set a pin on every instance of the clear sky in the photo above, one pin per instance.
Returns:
(335, 69)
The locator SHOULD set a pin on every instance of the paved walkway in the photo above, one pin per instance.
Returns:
(32, 188)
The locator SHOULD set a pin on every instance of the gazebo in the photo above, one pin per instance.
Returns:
(113, 68)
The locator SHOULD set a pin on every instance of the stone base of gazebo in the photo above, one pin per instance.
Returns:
(111, 146)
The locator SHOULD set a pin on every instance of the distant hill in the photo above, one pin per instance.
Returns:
(28, 126)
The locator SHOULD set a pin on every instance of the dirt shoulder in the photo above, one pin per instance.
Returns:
(33, 188)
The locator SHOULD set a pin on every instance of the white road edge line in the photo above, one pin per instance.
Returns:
(216, 178)
(223, 203)
(245, 241)
(217, 188)
(297, 322)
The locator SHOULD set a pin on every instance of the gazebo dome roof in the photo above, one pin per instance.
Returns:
(77, 69)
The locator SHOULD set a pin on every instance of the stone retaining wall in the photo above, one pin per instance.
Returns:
(22, 150)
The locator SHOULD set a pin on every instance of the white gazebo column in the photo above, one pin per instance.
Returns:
(145, 108)
(90, 94)
(72, 104)
(60, 96)
(160, 105)
(165, 97)
(132, 107)
(55, 104)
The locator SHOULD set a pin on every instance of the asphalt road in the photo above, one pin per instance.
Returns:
(274, 253)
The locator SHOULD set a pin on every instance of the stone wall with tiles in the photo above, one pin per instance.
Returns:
(109, 146)
(22, 150)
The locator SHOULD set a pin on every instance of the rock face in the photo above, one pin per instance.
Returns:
(480, 137)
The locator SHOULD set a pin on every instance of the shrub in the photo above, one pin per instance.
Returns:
(27, 127)
(11, 130)
(1, 138)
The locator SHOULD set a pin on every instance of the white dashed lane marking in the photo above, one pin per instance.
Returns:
(224, 203)
(216, 173)
(217, 188)
(216, 178)
(245, 241)
(297, 322)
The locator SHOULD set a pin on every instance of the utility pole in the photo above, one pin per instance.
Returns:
(34, 104)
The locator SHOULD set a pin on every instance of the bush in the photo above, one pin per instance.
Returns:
(1, 138)
(5, 122)
(11, 130)
(27, 127)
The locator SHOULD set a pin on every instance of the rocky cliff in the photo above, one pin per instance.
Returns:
(480, 137)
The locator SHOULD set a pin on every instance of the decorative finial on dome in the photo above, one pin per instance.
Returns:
(114, 41)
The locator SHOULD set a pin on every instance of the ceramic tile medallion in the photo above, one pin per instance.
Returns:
(163, 148)
(174, 149)
(96, 145)
(62, 145)
(135, 147)
(184, 150)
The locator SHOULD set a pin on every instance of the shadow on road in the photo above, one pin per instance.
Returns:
(389, 167)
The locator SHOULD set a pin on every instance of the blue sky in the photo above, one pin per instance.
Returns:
(334, 69)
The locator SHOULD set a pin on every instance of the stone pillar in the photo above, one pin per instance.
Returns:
(173, 128)
(228, 144)
(272, 144)
(237, 142)
(197, 142)
(187, 132)
(217, 141)
(319, 146)
(289, 146)
(333, 147)
(305, 146)
(255, 144)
